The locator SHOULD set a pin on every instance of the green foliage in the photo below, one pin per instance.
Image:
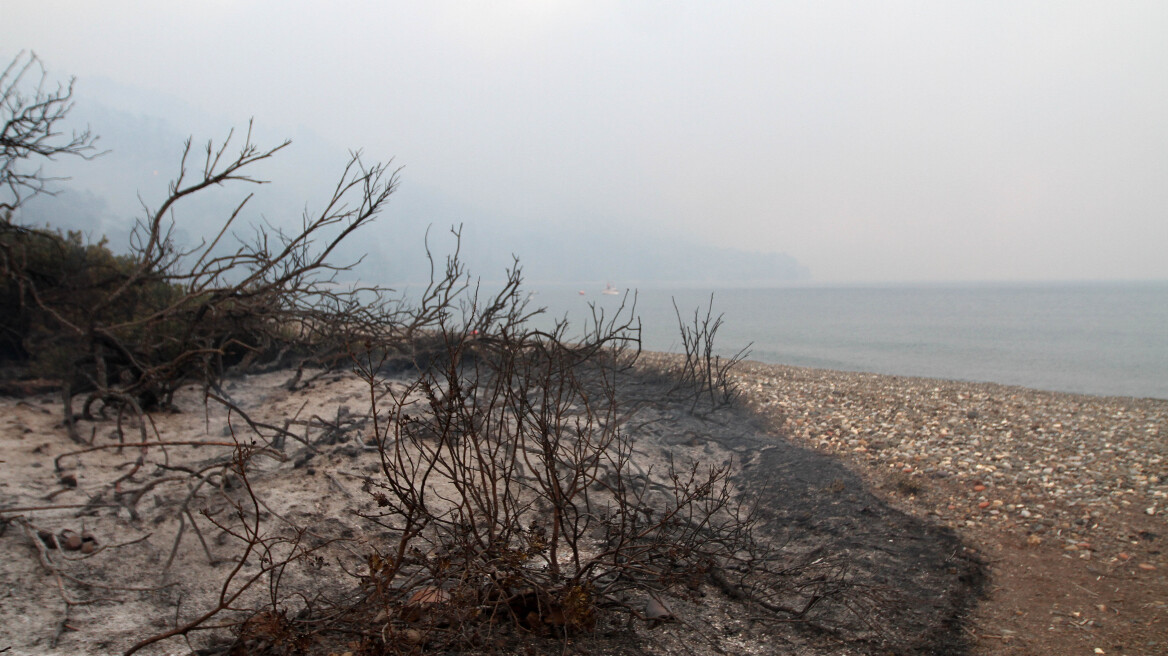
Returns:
(56, 287)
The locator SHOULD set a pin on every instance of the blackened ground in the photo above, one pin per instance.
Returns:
(921, 570)
(913, 582)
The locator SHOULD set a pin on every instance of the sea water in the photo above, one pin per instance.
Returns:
(1093, 338)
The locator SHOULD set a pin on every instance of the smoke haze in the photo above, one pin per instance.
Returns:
(894, 141)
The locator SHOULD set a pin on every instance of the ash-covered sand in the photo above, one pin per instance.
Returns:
(917, 472)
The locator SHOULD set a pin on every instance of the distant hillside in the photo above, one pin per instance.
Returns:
(103, 199)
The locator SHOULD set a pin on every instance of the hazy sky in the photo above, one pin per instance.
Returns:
(873, 141)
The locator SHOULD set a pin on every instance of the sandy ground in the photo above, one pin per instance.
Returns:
(132, 551)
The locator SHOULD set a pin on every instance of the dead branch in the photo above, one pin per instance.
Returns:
(30, 116)
(703, 374)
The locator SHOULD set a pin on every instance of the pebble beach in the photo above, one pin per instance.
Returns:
(1084, 472)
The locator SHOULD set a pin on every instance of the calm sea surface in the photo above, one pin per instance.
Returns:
(1097, 338)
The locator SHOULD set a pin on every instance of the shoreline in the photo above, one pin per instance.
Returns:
(959, 381)
(1072, 339)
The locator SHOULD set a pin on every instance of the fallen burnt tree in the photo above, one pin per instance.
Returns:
(508, 506)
